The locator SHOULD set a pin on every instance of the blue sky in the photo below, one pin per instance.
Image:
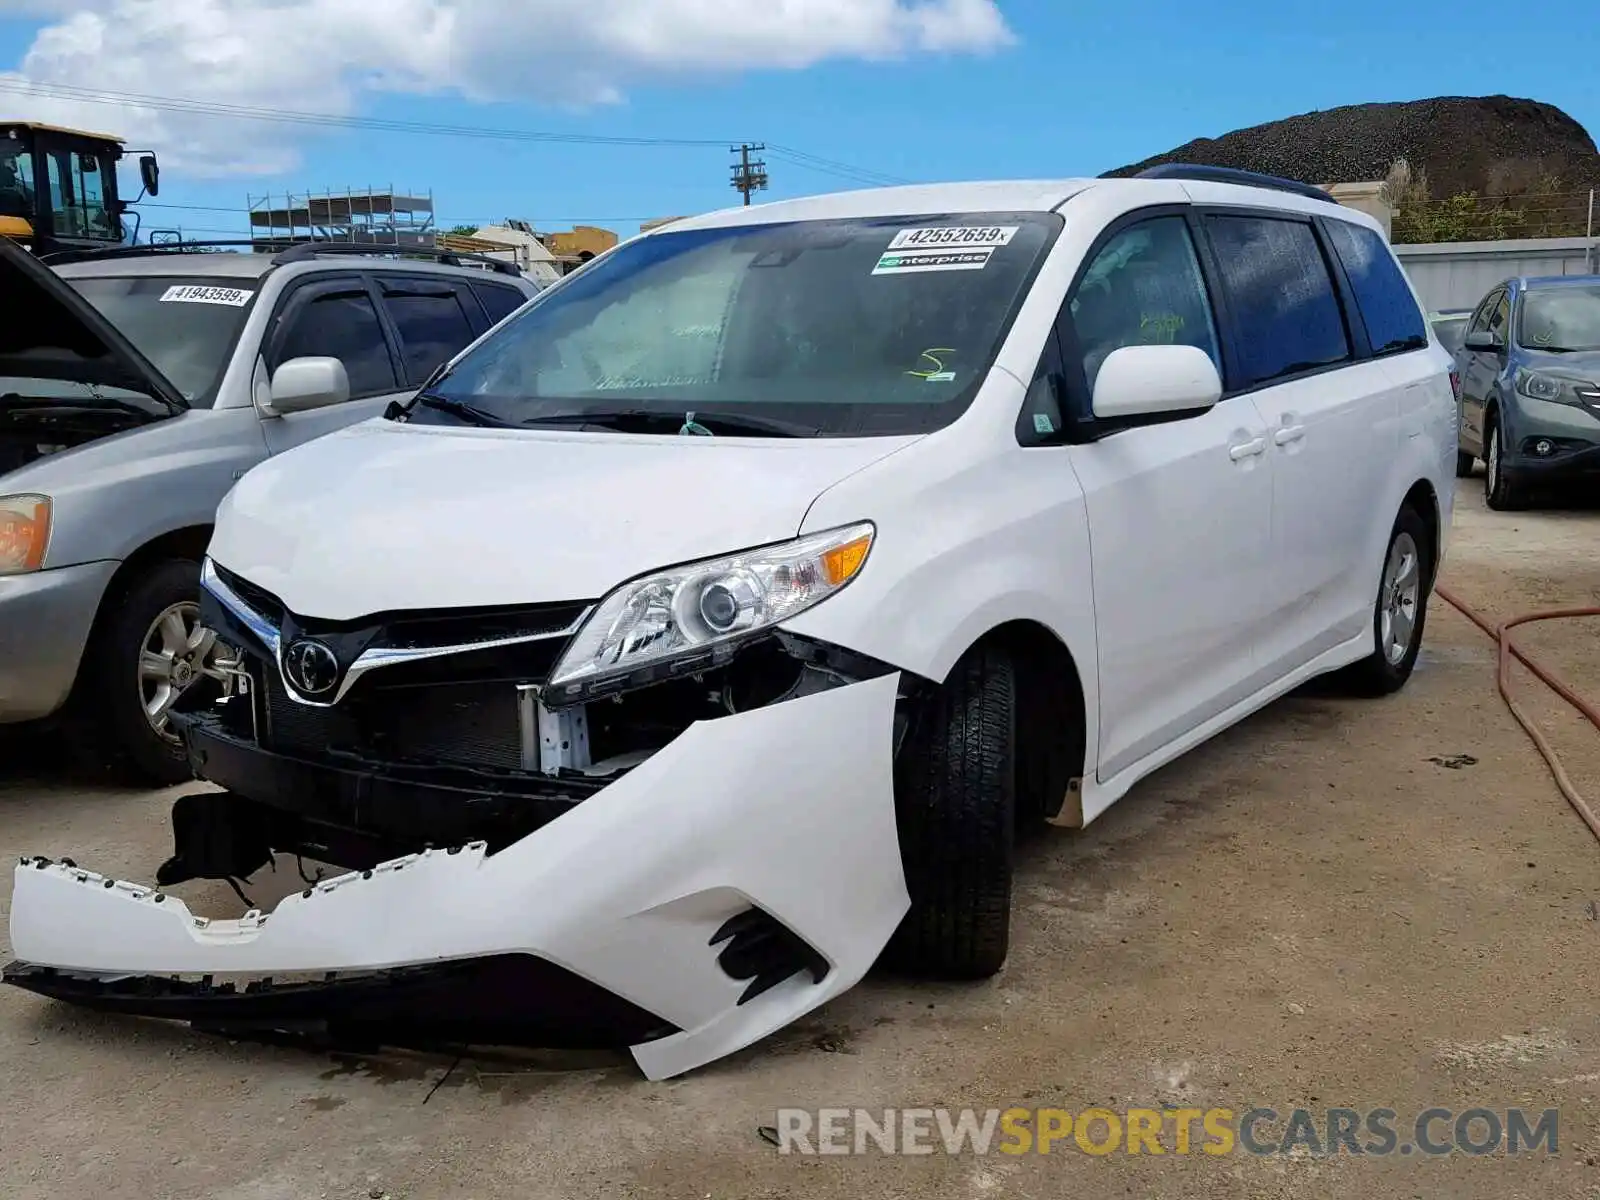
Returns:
(1083, 87)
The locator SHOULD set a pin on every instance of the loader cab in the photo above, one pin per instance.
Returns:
(58, 187)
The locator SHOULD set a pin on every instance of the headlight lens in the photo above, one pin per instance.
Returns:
(1539, 386)
(689, 618)
(24, 532)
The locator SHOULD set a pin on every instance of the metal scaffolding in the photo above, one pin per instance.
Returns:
(373, 215)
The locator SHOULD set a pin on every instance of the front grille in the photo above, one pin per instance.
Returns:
(462, 724)
(428, 627)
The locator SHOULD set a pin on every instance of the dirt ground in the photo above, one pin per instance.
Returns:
(1313, 911)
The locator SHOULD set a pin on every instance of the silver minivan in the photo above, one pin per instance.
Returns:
(132, 399)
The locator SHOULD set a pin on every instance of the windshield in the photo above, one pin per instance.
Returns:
(1560, 319)
(831, 328)
(186, 327)
(16, 179)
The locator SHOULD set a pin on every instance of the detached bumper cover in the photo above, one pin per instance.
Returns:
(644, 892)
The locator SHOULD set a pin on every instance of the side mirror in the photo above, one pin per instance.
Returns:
(1481, 339)
(1145, 381)
(302, 384)
(150, 174)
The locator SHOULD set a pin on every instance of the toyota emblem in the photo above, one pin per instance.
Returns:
(310, 667)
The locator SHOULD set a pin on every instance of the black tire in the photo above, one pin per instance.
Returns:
(955, 800)
(110, 716)
(1499, 492)
(1464, 464)
(1378, 674)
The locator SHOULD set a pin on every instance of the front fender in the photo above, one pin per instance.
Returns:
(112, 496)
(966, 542)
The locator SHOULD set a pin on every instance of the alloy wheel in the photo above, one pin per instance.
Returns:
(177, 654)
(1399, 599)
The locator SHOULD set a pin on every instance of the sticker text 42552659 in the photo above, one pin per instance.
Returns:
(942, 248)
(953, 237)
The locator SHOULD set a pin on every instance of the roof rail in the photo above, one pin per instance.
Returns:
(301, 251)
(1236, 176)
(87, 254)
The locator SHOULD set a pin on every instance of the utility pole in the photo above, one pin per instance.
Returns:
(748, 176)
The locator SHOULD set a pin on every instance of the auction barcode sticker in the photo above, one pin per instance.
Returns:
(193, 293)
(962, 237)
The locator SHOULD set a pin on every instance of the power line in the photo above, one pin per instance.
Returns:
(60, 91)
(830, 166)
(327, 120)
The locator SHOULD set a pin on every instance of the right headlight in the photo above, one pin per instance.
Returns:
(1540, 385)
(24, 533)
(688, 618)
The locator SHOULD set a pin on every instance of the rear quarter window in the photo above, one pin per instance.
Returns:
(1285, 311)
(1389, 310)
(499, 302)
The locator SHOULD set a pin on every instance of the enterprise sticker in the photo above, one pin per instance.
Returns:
(189, 293)
(912, 262)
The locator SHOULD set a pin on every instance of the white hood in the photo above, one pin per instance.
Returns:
(381, 516)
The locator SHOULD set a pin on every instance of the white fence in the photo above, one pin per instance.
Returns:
(1459, 274)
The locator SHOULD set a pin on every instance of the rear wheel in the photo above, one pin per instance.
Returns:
(1464, 464)
(955, 798)
(1401, 610)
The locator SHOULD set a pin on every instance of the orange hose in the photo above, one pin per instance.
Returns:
(1508, 649)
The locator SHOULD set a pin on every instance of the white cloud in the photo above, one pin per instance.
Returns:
(329, 56)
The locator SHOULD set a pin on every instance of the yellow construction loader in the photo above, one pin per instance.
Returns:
(58, 187)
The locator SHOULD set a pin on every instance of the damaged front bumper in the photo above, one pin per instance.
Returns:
(736, 879)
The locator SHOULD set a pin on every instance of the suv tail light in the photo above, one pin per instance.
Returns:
(1455, 383)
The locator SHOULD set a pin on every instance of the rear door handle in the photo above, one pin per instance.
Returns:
(1248, 449)
(1289, 433)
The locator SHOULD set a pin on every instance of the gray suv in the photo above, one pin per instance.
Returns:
(1529, 368)
(125, 420)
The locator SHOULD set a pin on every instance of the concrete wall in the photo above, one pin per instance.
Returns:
(1459, 274)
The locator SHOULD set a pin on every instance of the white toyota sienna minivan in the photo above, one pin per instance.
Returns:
(716, 624)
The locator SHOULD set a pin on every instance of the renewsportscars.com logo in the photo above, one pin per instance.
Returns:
(1260, 1132)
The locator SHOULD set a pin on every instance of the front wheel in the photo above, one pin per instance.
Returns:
(955, 801)
(1499, 493)
(150, 650)
(1401, 610)
(1464, 464)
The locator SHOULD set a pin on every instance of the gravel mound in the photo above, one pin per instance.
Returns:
(1490, 145)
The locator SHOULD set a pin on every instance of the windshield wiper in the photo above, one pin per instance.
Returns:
(460, 408)
(654, 420)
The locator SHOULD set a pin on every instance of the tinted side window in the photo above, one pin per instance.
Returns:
(433, 326)
(1393, 320)
(1500, 316)
(1280, 295)
(343, 325)
(1480, 319)
(1143, 287)
(499, 302)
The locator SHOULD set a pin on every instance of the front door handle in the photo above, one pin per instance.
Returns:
(1289, 433)
(1248, 449)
